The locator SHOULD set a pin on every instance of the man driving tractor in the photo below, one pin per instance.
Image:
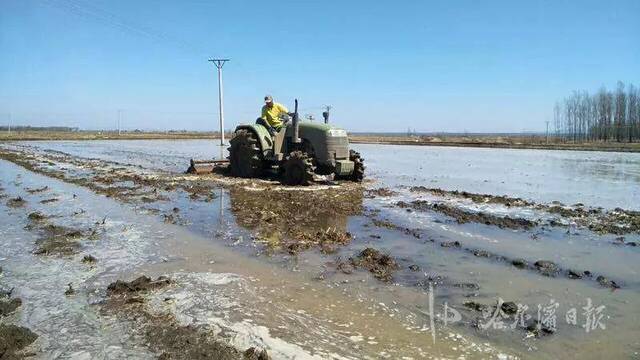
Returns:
(272, 113)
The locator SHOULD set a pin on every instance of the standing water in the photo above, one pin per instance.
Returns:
(455, 254)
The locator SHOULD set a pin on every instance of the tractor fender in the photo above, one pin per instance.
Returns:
(264, 138)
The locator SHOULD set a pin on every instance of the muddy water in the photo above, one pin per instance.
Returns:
(230, 279)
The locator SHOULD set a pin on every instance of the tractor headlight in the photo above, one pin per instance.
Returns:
(337, 133)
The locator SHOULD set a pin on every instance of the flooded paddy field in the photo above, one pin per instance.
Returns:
(441, 253)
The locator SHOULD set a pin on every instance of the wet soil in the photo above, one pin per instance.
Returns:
(57, 240)
(13, 339)
(543, 267)
(302, 220)
(381, 265)
(477, 198)
(187, 342)
(36, 216)
(285, 219)
(36, 190)
(142, 283)
(390, 225)
(8, 306)
(48, 201)
(617, 221)
(379, 192)
(464, 216)
(163, 334)
(89, 259)
(297, 220)
(327, 241)
(16, 202)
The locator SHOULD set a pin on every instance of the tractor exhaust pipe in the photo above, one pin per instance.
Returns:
(296, 124)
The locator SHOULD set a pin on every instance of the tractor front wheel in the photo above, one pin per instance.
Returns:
(244, 155)
(358, 166)
(298, 169)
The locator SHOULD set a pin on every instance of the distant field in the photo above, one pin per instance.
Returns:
(515, 141)
(495, 141)
(103, 135)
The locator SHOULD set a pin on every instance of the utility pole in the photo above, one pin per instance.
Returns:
(9, 125)
(119, 116)
(219, 63)
(547, 134)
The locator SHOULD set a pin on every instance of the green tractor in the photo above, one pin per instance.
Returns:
(298, 151)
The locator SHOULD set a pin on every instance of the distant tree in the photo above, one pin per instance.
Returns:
(604, 116)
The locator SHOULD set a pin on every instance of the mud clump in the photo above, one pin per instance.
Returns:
(603, 281)
(256, 354)
(170, 218)
(14, 338)
(389, 225)
(165, 336)
(567, 212)
(57, 240)
(476, 306)
(48, 201)
(36, 216)
(16, 202)
(481, 253)
(573, 274)
(509, 307)
(142, 283)
(384, 224)
(477, 198)
(450, 244)
(617, 221)
(463, 216)
(327, 240)
(70, 290)
(187, 342)
(380, 192)
(380, 265)
(547, 268)
(89, 259)
(519, 263)
(8, 306)
(296, 216)
(344, 266)
(37, 190)
(538, 329)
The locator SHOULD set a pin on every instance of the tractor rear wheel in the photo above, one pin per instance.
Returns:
(298, 169)
(358, 166)
(244, 155)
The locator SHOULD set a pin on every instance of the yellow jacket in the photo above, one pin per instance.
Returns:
(272, 115)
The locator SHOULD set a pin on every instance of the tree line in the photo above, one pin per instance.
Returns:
(607, 115)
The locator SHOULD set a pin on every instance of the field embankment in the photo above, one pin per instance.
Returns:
(476, 140)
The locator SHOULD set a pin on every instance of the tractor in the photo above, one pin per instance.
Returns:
(298, 151)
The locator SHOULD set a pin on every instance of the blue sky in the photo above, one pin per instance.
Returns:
(480, 66)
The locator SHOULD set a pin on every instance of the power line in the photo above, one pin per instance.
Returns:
(87, 11)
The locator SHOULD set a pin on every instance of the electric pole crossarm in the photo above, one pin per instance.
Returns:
(219, 63)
